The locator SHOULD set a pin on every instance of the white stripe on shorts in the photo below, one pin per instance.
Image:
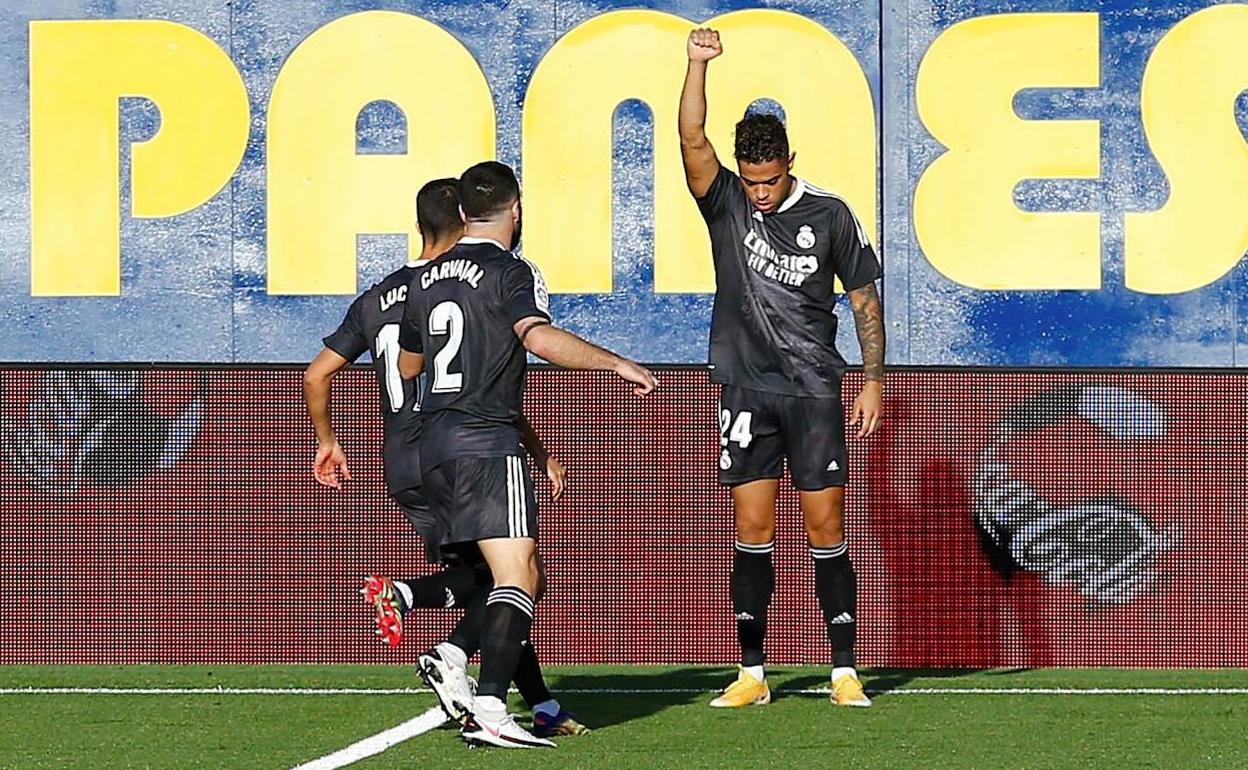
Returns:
(511, 500)
(517, 500)
(522, 491)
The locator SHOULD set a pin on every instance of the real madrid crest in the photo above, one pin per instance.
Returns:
(806, 237)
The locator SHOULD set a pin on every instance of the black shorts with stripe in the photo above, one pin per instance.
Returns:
(481, 498)
(759, 431)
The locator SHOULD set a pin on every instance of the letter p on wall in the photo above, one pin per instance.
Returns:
(79, 70)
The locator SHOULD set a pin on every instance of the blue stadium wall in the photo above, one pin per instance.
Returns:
(1099, 222)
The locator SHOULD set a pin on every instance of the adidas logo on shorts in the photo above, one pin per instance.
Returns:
(833, 466)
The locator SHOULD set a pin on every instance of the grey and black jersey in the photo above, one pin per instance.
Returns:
(372, 324)
(461, 312)
(773, 328)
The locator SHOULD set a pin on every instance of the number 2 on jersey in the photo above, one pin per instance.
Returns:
(740, 432)
(447, 318)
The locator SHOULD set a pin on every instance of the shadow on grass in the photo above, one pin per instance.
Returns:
(880, 680)
(611, 697)
(599, 700)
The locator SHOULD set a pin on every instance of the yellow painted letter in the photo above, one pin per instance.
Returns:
(1188, 107)
(321, 193)
(965, 217)
(78, 71)
(641, 55)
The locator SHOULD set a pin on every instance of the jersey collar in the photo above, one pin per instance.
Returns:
(799, 188)
(473, 241)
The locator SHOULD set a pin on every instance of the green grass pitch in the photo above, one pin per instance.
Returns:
(672, 729)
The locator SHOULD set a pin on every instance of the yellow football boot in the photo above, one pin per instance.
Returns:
(847, 691)
(746, 691)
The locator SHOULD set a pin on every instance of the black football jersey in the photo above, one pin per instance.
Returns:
(372, 324)
(461, 310)
(773, 327)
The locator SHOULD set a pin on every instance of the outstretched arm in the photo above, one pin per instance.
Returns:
(701, 165)
(330, 463)
(869, 322)
(571, 352)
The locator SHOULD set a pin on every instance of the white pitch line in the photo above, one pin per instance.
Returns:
(617, 691)
(375, 744)
(1068, 691)
(212, 691)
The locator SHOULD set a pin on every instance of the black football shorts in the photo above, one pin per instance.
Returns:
(481, 498)
(758, 431)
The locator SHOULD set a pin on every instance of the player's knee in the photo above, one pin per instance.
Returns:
(755, 530)
(826, 532)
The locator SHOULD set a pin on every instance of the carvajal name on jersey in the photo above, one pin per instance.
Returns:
(791, 269)
(465, 270)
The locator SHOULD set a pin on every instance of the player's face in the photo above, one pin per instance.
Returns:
(767, 184)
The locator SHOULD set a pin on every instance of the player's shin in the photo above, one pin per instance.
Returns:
(529, 680)
(452, 587)
(508, 618)
(836, 585)
(467, 632)
(752, 583)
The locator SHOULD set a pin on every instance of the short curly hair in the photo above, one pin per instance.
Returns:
(761, 137)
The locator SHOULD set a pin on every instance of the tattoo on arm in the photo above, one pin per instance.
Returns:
(869, 321)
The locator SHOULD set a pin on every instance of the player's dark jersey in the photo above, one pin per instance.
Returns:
(372, 324)
(461, 310)
(772, 328)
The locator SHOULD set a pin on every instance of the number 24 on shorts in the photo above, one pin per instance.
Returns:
(740, 432)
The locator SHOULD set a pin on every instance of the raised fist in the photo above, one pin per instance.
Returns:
(704, 45)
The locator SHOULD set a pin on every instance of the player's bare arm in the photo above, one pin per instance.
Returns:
(410, 364)
(869, 322)
(554, 469)
(701, 165)
(329, 467)
(565, 349)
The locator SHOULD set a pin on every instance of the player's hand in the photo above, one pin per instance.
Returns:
(704, 45)
(556, 473)
(638, 375)
(867, 408)
(330, 465)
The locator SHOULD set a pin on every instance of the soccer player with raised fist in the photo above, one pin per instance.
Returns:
(778, 244)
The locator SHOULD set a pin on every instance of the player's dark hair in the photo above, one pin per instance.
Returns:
(761, 137)
(437, 209)
(487, 189)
